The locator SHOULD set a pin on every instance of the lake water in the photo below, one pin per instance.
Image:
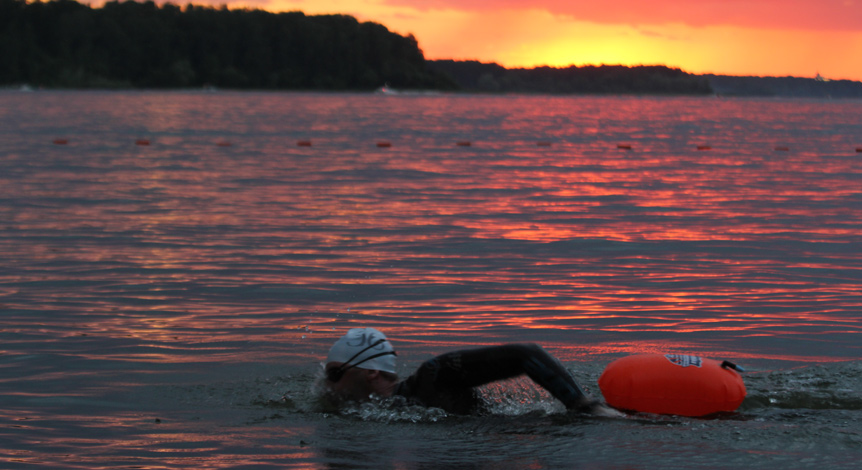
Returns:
(167, 305)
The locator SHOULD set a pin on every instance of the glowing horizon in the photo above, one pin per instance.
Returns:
(800, 38)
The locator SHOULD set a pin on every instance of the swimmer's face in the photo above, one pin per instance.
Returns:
(353, 385)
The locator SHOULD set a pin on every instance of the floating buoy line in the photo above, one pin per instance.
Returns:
(142, 142)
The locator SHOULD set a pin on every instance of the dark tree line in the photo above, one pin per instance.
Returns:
(63, 43)
(472, 75)
(66, 44)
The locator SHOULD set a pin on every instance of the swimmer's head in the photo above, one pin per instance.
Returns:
(360, 364)
(365, 348)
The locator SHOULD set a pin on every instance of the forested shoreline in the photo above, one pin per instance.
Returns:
(143, 45)
(65, 44)
(644, 79)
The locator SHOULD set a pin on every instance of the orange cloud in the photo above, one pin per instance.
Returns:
(845, 15)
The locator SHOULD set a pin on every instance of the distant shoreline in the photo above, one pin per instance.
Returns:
(144, 46)
(649, 80)
(414, 93)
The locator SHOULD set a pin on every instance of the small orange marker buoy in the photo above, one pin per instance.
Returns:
(142, 142)
(782, 148)
(543, 144)
(223, 143)
(624, 146)
(383, 144)
(858, 149)
(61, 141)
(463, 143)
(704, 147)
(304, 143)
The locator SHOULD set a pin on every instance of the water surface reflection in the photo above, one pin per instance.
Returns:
(156, 300)
(185, 240)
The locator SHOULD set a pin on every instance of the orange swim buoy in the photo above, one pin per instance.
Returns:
(673, 384)
(463, 143)
(304, 143)
(704, 147)
(624, 146)
(142, 142)
(384, 144)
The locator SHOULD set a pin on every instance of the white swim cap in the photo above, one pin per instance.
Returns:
(364, 348)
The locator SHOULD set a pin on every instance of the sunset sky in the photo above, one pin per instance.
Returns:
(733, 37)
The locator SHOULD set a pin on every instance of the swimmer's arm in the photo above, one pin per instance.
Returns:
(476, 367)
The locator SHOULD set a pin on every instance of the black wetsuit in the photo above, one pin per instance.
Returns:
(448, 381)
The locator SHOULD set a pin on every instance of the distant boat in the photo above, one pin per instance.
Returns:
(386, 90)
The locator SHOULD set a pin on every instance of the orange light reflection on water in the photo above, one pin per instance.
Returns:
(177, 242)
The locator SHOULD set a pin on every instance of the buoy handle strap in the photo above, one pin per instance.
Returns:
(730, 365)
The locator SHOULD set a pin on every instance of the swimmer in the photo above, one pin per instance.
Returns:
(361, 365)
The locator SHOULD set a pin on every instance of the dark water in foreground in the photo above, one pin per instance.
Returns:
(166, 305)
